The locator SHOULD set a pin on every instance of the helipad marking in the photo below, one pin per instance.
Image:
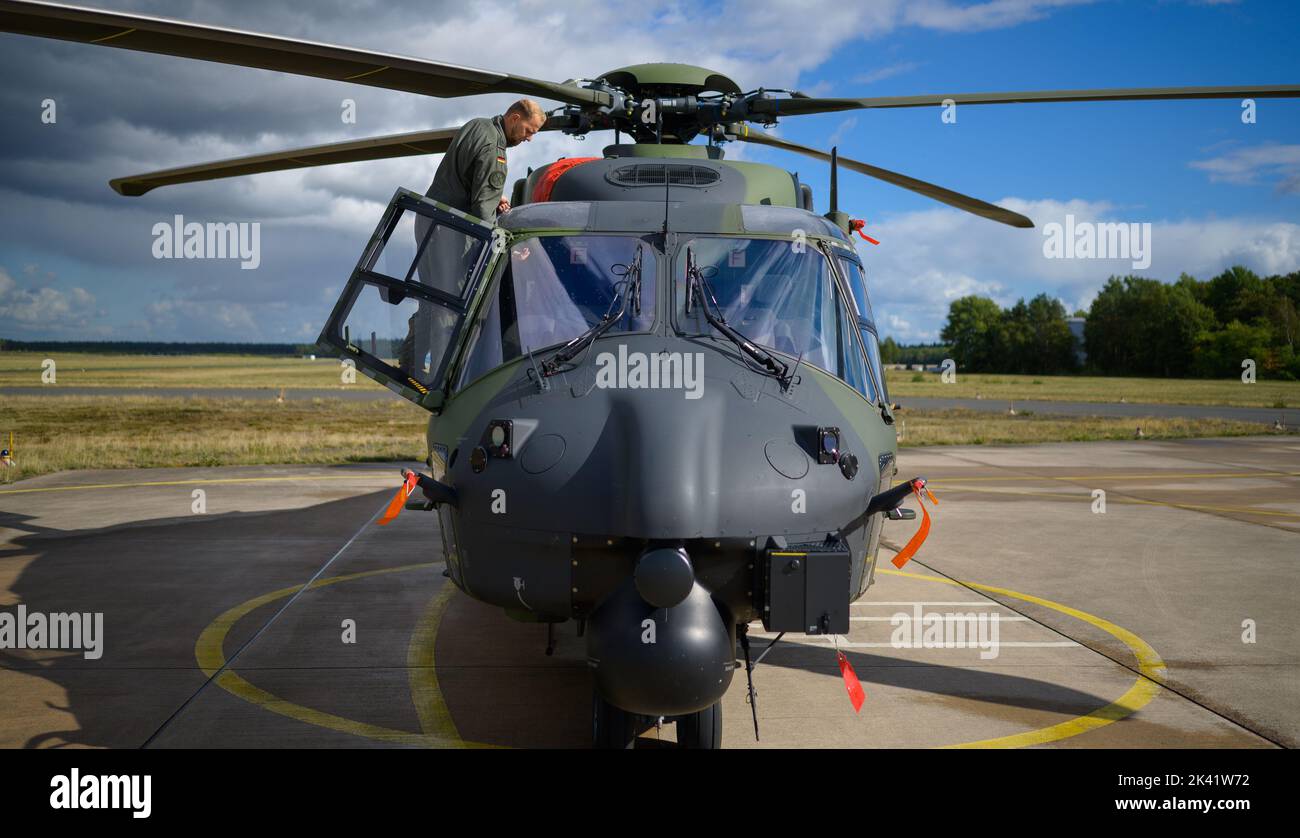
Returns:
(842, 643)
(209, 651)
(1002, 618)
(435, 716)
(1145, 688)
(440, 731)
(972, 603)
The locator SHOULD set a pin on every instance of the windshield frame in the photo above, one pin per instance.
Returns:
(652, 280)
(815, 247)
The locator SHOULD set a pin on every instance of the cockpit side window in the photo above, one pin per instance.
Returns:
(855, 278)
(857, 281)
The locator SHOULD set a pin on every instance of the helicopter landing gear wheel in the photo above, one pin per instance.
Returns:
(702, 730)
(611, 727)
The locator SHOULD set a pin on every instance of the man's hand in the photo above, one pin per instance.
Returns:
(503, 207)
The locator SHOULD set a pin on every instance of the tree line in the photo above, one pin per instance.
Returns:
(1139, 326)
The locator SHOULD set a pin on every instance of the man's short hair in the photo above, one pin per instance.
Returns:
(528, 109)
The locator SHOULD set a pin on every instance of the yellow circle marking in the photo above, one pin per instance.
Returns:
(438, 730)
(1145, 688)
(436, 725)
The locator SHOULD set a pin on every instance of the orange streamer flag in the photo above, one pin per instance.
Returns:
(857, 224)
(857, 695)
(905, 555)
(398, 502)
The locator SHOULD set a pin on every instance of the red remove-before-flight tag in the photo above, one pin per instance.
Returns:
(857, 695)
(398, 502)
(857, 224)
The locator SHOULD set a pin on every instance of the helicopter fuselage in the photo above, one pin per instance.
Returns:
(661, 486)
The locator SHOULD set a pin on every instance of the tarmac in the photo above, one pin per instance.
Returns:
(1168, 620)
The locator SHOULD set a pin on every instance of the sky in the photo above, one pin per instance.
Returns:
(77, 261)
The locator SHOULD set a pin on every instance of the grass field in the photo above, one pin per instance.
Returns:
(57, 433)
(23, 369)
(970, 427)
(1282, 394)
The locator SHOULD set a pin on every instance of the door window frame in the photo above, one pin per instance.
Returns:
(431, 395)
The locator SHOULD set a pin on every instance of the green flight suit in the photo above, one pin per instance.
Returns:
(472, 174)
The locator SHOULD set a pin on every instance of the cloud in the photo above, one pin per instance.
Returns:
(928, 258)
(997, 14)
(841, 131)
(887, 72)
(32, 311)
(1250, 165)
(121, 112)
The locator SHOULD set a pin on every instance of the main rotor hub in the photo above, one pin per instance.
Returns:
(666, 103)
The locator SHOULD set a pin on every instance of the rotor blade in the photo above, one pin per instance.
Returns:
(929, 190)
(270, 52)
(350, 151)
(375, 148)
(808, 104)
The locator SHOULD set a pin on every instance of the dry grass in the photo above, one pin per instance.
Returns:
(969, 427)
(1284, 394)
(23, 369)
(56, 433)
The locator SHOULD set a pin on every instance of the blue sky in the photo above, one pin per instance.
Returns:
(75, 258)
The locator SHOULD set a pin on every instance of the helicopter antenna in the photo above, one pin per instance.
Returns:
(835, 180)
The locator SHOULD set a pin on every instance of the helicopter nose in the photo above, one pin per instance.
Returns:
(664, 576)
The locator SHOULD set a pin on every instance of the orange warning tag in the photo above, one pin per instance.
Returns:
(857, 695)
(398, 502)
(905, 555)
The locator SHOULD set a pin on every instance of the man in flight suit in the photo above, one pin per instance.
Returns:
(470, 178)
(472, 173)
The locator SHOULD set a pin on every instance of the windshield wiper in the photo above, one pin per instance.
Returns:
(696, 283)
(631, 289)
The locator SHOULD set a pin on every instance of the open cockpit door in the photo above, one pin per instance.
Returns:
(403, 312)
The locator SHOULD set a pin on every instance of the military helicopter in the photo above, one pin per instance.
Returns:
(656, 400)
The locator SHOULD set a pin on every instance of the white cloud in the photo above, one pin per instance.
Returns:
(841, 131)
(928, 258)
(997, 14)
(1248, 166)
(140, 112)
(886, 72)
(25, 311)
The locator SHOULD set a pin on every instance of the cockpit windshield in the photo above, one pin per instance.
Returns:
(554, 289)
(779, 294)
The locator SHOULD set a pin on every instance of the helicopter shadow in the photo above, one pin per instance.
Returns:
(158, 584)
